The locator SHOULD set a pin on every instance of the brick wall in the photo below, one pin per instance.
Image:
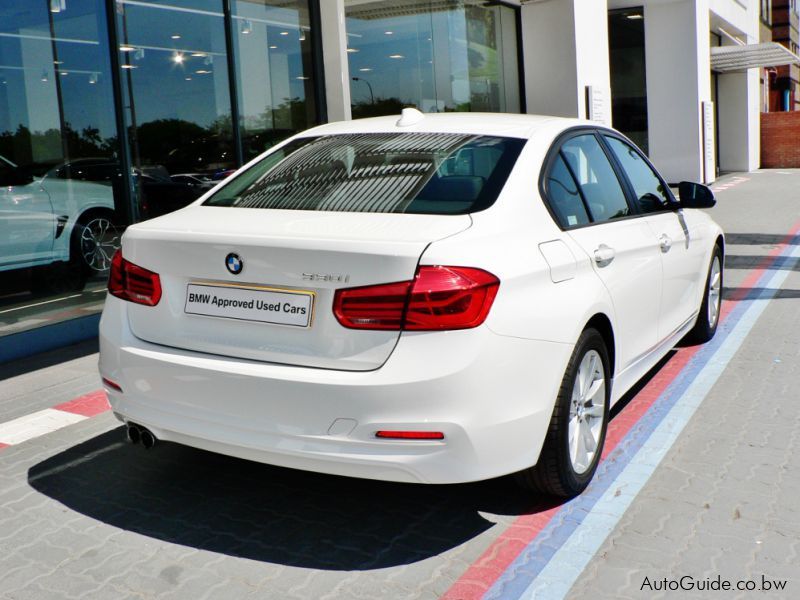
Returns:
(780, 140)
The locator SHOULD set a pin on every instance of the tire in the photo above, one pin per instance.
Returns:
(708, 318)
(561, 470)
(94, 240)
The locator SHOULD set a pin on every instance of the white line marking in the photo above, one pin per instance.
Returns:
(36, 424)
(8, 310)
(560, 573)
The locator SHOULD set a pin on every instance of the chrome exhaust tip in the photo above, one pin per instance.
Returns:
(133, 433)
(148, 439)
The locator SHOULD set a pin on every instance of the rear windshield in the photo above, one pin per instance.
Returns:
(423, 173)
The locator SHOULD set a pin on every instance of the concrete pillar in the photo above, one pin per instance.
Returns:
(565, 50)
(334, 52)
(739, 143)
(678, 82)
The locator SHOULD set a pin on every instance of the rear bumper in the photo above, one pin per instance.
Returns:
(490, 395)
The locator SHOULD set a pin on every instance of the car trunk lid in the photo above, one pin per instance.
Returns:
(291, 261)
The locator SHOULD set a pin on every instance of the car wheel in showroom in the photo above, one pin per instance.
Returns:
(95, 239)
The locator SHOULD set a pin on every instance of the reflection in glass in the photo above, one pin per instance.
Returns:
(458, 55)
(58, 219)
(177, 99)
(272, 46)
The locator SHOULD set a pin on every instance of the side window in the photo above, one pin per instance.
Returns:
(563, 196)
(596, 178)
(651, 193)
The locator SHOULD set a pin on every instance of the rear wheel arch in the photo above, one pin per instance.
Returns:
(602, 324)
(100, 211)
(567, 459)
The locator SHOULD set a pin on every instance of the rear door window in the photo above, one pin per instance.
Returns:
(565, 199)
(420, 173)
(596, 178)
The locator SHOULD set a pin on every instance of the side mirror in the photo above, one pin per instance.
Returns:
(695, 195)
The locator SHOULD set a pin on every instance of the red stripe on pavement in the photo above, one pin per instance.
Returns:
(89, 405)
(484, 572)
(2, 445)
(641, 403)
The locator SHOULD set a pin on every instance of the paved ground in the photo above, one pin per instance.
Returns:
(83, 515)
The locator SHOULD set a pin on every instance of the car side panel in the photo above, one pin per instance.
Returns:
(28, 226)
(683, 250)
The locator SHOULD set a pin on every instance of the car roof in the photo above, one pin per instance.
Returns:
(497, 124)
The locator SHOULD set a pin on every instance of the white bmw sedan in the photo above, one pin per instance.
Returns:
(436, 298)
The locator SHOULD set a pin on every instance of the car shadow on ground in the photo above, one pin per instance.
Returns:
(245, 509)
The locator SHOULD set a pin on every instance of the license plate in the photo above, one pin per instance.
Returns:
(264, 305)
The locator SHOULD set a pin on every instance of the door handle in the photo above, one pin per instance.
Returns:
(665, 243)
(603, 255)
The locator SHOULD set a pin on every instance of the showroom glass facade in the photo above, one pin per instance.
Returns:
(274, 72)
(438, 56)
(59, 147)
(114, 111)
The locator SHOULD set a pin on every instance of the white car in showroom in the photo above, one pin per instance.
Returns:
(63, 219)
(436, 298)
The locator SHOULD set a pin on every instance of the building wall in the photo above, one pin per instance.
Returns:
(678, 82)
(785, 25)
(779, 134)
(565, 50)
(739, 94)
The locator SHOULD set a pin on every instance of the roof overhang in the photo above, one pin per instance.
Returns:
(732, 59)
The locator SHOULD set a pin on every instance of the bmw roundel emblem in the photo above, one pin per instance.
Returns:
(234, 263)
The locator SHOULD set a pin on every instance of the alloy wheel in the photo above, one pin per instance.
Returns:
(587, 411)
(714, 289)
(98, 242)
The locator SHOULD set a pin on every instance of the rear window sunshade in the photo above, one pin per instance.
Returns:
(422, 173)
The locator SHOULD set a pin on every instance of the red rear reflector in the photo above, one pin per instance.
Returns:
(438, 298)
(132, 282)
(410, 435)
(112, 385)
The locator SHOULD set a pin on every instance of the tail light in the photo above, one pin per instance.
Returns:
(132, 282)
(438, 298)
